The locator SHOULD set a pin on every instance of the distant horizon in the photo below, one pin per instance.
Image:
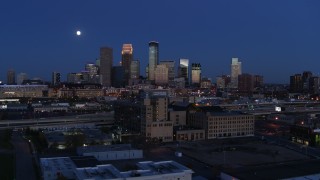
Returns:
(275, 39)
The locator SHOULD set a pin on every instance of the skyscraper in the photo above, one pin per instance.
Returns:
(155, 123)
(21, 77)
(153, 59)
(245, 83)
(161, 75)
(195, 73)
(106, 60)
(257, 81)
(92, 69)
(306, 75)
(56, 78)
(235, 72)
(118, 76)
(127, 57)
(171, 71)
(183, 70)
(296, 83)
(11, 77)
(135, 69)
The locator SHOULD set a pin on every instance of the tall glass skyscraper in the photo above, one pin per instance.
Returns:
(153, 59)
(183, 70)
(235, 72)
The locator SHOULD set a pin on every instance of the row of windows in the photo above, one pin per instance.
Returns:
(160, 125)
(229, 134)
(231, 122)
(231, 130)
(230, 118)
(231, 126)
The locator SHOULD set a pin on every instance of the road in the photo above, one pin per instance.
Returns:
(87, 118)
(24, 165)
(307, 150)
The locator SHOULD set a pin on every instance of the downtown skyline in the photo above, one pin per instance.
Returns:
(273, 39)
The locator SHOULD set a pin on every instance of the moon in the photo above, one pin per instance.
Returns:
(78, 33)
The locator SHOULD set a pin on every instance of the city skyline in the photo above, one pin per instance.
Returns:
(273, 39)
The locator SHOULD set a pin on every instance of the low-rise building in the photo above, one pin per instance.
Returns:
(188, 134)
(223, 124)
(65, 168)
(16, 91)
(110, 152)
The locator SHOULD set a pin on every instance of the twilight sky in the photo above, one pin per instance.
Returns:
(272, 38)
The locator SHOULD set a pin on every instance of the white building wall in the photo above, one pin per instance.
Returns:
(116, 155)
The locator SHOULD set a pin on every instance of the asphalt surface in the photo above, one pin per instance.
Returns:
(24, 165)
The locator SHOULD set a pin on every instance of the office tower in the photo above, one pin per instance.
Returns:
(306, 75)
(147, 71)
(257, 81)
(195, 73)
(127, 57)
(235, 72)
(93, 73)
(21, 77)
(245, 83)
(183, 70)
(205, 83)
(171, 71)
(106, 60)
(92, 69)
(296, 83)
(118, 76)
(223, 81)
(56, 78)
(314, 85)
(220, 82)
(98, 62)
(135, 69)
(154, 116)
(11, 77)
(153, 59)
(161, 75)
(76, 78)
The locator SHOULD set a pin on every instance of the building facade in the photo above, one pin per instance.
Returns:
(10, 91)
(126, 59)
(245, 83)
(56, 78)
(21, 77)
(118, 76)
(155, 124)
(171, 70)
(223, 124)
(106, 61)
(135, 69)
(236, 70)
(153, 59)
(296, 83)
(161, 75)
(195, 74)
(11, 77)
(183, 70)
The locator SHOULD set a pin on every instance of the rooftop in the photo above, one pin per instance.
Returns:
(65, 165)
(279, 171)
(103, 148)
